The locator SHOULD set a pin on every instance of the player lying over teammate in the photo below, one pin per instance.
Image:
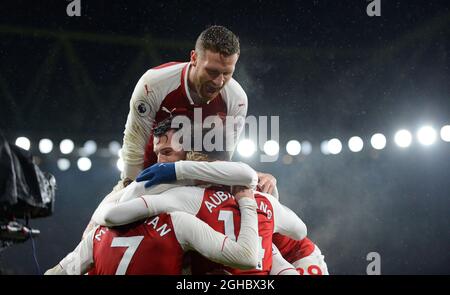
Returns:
(157, 245)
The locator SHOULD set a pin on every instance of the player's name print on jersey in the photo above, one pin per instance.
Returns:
(161, 229)
(100, 233)
(263, 207)
(217, 198)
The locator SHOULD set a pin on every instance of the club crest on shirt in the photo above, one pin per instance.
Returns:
(142, 108)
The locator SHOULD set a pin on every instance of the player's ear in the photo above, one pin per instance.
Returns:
(193, 58)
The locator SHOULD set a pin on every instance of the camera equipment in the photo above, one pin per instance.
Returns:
(25, 193)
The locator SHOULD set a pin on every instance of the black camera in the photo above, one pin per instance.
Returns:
(25, 193)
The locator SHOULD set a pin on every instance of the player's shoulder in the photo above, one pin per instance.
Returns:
(165, 73)
(267, 197)
(235, 91)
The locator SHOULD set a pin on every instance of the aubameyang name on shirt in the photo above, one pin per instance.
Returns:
(216, 199)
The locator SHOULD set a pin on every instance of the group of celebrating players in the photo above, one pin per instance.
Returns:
(184, 211)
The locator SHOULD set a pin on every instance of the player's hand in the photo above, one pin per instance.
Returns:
(158, 173)
(57, 270)
(240, 192)
(266, 182)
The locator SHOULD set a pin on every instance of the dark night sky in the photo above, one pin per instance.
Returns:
(325, 67)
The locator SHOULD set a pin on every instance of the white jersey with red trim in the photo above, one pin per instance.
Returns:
(164, 91)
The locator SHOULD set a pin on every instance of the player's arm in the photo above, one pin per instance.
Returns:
(77, 262)
(138, 128)
(279, 265)
(219, 172)
(187, 199)
(111, 200)
(275, 193)
(112, 197)
(194, 234)
(286, 222)
(237, 106)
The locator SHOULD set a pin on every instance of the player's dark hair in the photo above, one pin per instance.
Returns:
(218, 39)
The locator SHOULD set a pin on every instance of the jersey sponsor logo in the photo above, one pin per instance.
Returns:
(216, 199)
(142, 108)
(162, 230)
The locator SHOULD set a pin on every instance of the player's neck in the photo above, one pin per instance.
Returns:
(191, 88)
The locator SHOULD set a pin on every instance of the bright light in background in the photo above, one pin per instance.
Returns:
(426, 135)
(45, 146)
(23, 142)
(403, 138)
(119, 153)
(355, 144)
(84, 164)
(114, 147)
(63, 164)
(306, 148)
(120, 164)
(246, 148)
(293, 147)
(334, 146)
(66, 146)
(324, 147)
(271, 148)
(445, 133)
(90, 147)
(378, 141)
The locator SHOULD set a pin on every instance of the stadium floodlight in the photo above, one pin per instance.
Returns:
(306, 148)
(84, 164)
(45, 146)
(293, 147)
(271, 147)
(378, 141)
(334, 146)
(324, 147)
(355, 144)
(23, 142)
(114, 147)
(120, 164)
(90, 147)
(403, 138)
(445, 133)
(63, 164)
(426, 135)
(66, 146)
(246, 148)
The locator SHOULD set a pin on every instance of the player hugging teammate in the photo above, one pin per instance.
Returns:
(191, 209)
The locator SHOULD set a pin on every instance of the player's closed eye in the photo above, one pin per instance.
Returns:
(166, 152)
(213, 73)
